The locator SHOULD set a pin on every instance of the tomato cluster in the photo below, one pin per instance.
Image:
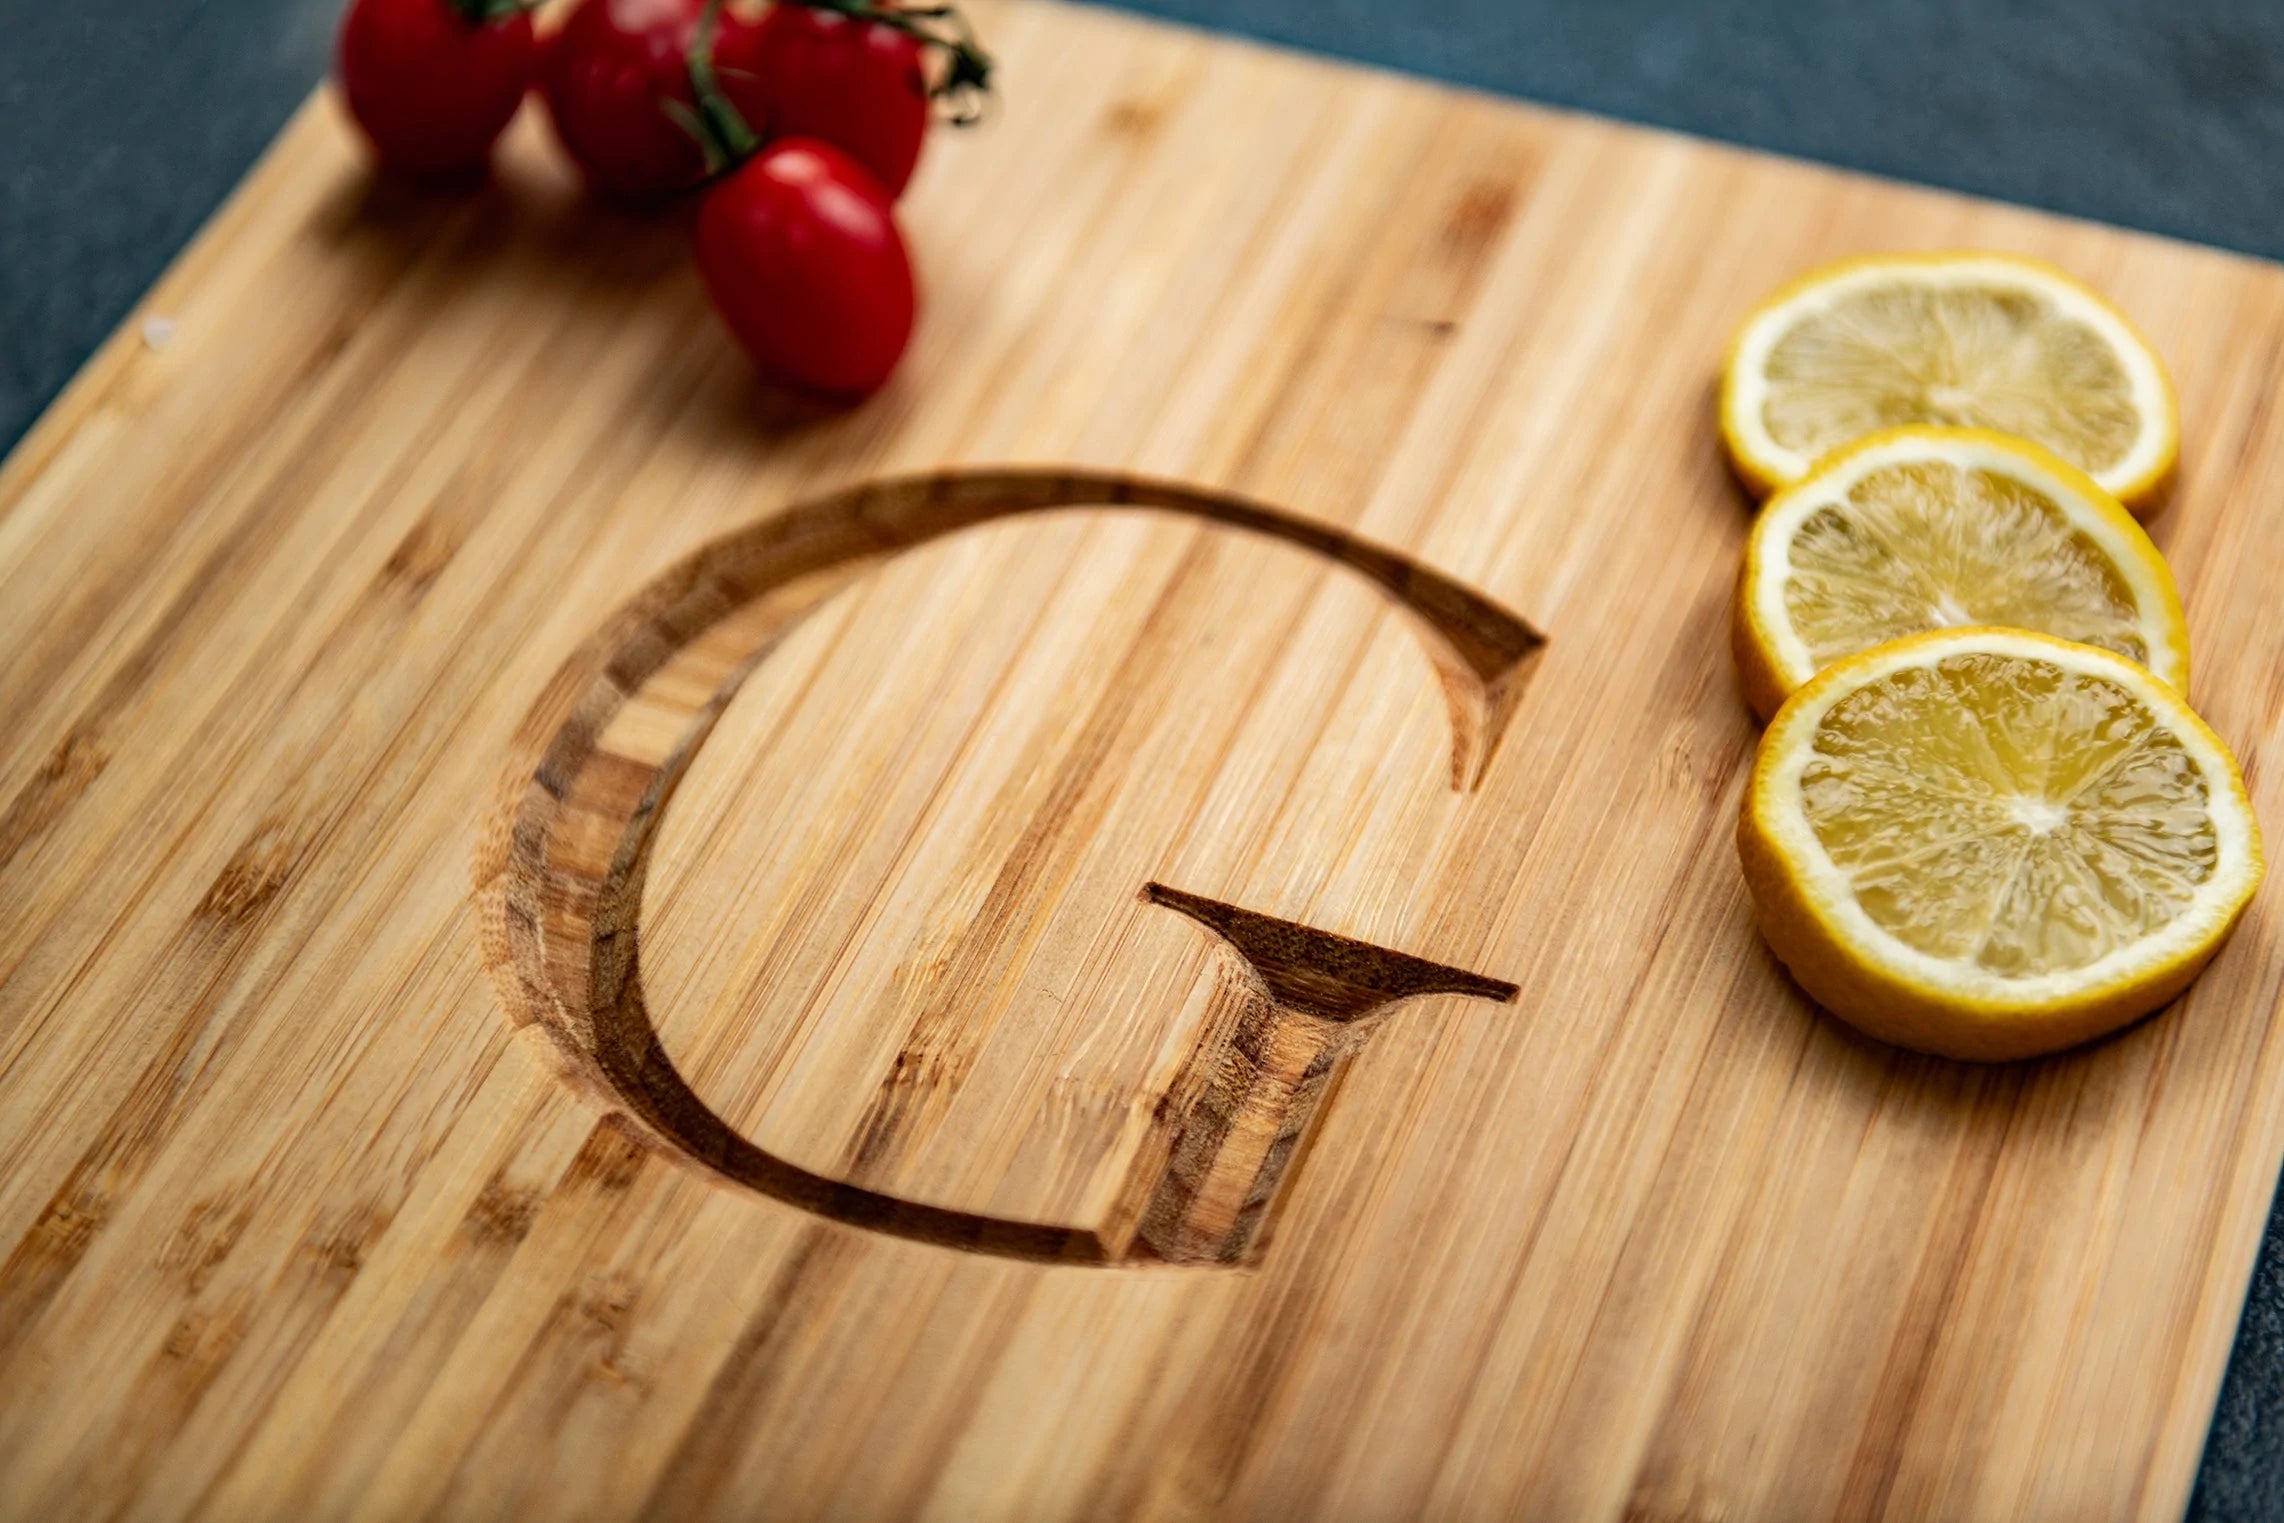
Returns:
(804, 122)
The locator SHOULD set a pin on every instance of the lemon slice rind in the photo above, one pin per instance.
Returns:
(1773, 660)
(1865, 975)
(2138, 479)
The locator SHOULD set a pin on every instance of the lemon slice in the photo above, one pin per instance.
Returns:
(1931, 528)
(1990, 844)
(1966, 340)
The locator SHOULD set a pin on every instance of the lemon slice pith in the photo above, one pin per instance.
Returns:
(1928, 528)
(1990, 844)
(1964, 340)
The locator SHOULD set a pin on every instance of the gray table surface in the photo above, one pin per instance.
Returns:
(126, 121)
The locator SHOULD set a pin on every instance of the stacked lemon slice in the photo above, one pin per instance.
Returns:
(1961, 340)
(1983, 821)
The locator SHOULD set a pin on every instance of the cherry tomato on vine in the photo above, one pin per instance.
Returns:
(433, 83)
(856, 84)
(616, 78)
(800, 252)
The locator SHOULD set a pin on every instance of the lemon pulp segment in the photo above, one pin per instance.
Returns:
(1968, 355)
(1992, 844)
(1918, 529)
(2009, 813)
(1988, 341)
(1931, 546)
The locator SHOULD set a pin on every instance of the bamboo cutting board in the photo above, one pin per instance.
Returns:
(588, 942)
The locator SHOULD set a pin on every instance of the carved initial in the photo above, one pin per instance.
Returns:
(561, 875)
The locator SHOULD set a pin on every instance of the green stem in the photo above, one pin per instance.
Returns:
(719, 127)
(966, 79)
(481, 13)
(725, 137)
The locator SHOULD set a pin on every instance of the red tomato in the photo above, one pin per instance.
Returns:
(858, 85)
(800, 252)
(431, 87)
(617, 82)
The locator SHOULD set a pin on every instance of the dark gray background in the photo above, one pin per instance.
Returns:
(123, 122)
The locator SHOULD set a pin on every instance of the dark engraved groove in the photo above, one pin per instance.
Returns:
(561, 912)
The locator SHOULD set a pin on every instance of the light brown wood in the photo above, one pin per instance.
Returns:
(1190, 961)
(564, 876)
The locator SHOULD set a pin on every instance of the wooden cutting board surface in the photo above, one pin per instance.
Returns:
(584, 941)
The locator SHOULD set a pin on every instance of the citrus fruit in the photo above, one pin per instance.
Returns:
(1915, 529)
(1987, 843)
(1967, 340)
